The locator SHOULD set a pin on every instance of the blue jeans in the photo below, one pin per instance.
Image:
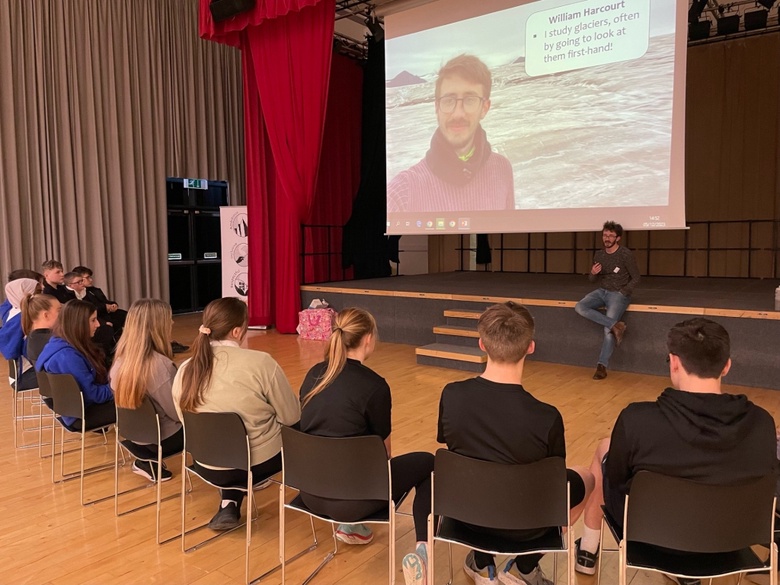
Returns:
(615, 304)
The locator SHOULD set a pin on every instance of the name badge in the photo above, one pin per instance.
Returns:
(617, 269)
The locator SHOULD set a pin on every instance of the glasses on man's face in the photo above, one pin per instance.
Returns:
(76, 282)
(471, 103)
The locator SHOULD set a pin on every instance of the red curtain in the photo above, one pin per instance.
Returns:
(291, 57)
(338, 178)
(260, 189)
(228, 31)
(287, 47)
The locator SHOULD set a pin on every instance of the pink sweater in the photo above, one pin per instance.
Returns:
(418, 189)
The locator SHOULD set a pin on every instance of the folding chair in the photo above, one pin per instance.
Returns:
(693, 530)
(354, 468)
(68, 401)
(534, 496)
(219, 439)
(138, 432)
(25, 395)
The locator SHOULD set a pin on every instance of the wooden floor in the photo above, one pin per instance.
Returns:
(47, 537)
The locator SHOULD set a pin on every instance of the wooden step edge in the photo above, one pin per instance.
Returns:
(462, 314)
(451, 355)
(454, 331)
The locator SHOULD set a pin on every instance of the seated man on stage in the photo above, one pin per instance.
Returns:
(615, 269)
(493, 418)
(692, 430)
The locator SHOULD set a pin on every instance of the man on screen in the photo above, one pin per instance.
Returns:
(459, 172)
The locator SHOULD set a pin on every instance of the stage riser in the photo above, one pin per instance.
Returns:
(564, 337)
(450, 364)
(458, 340)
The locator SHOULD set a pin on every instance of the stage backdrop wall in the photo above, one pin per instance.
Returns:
(101, 100)
(732, 174)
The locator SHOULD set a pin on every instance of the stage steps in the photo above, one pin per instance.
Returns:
(457, 343)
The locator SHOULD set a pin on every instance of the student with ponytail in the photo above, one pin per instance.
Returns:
(143, 366)
(39, 314)
(223, 377)
(343, 398)
(71, 351)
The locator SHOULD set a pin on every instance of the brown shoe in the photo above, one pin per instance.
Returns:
(601, 372)
(618, 330)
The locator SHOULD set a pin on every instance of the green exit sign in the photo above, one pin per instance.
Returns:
(196, 184)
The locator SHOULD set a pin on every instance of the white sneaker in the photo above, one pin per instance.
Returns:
(486, 576)
(512, 576)
(354, 533)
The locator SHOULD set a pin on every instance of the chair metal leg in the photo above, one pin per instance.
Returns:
(570, 556)
(452, 574)
(282, 561)
(250, 496)
(601, 550)
(391, 549)
(431, 555)
(622, 569)
(330, 556)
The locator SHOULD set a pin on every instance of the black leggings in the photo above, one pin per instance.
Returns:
(412, 470)
(27, 381)
(170, 446)
(526, 563)
(236, 477)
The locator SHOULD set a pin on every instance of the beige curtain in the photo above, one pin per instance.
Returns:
(100, 101)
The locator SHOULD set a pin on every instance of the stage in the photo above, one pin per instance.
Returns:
(411, 310)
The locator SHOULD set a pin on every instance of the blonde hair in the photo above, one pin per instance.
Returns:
(506, 331)
(220, 317)
(32, 307)
(147, 331)
(349, 328)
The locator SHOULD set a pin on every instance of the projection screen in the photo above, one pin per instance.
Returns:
(510, 116)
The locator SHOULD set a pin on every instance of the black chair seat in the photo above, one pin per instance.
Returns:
(297, 503)
(75, 428)
(670, 526)
(464, 534)
(641, 555)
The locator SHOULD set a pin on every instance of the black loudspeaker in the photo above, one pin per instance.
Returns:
(755, 19)
(224, 9)
(699, 30)
(728, 25)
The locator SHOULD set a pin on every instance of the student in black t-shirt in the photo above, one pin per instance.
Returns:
(510, 426)
(343, 398)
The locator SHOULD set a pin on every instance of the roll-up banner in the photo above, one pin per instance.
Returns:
(235, 251)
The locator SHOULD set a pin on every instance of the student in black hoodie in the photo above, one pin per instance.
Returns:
(692, 430)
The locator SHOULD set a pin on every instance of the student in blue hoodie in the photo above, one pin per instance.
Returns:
(12, 336)
(71, 351)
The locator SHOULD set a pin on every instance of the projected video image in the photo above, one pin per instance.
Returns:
(550, 105)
